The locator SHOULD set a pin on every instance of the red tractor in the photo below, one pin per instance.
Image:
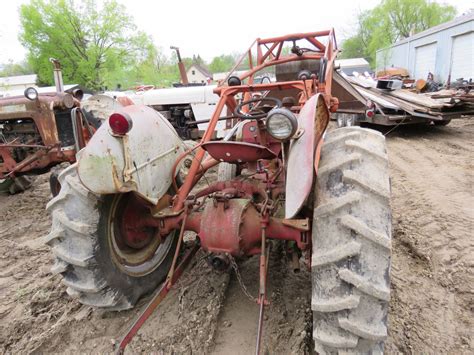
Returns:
(121, 214)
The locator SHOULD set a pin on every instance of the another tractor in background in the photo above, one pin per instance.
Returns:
(39, 131)
(187, 106)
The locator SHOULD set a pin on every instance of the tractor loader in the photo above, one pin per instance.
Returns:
(123, 209)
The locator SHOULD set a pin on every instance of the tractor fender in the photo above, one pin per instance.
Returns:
(304, 153)
(140, 161)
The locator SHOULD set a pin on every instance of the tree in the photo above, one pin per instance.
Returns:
(392, 21)
(222, 63)
(94, 44)
(198, 60)
(11, 69)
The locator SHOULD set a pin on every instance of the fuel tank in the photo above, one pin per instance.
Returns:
(140, 161)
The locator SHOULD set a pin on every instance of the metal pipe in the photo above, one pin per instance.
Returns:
(294, 37)
(28, 161)
(242, 57)
(182, 69)
(75, 129)
(193, 170)
(169, 279)
(265, 254)
(223, 118)
(279, 61)
(25, 146)
(260, 327)
(58, 76)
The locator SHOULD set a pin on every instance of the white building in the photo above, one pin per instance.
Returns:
(17, 83)
(446, 50)
(197, 74)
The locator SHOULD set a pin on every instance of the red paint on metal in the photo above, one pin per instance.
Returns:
(227, 226)
(299, 176)
(134, 233)
(8, 162)
(43, 157)
(234, 227)
(250, 134)
(294, 36)
(237, 152)
(299, 180)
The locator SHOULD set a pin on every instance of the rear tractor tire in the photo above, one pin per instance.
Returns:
(351, 243)
(54, 184)
(105, 258)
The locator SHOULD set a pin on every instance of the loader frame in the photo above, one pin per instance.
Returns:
(268, 54)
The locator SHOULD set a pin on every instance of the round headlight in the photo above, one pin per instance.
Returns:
(31, 93)
(281, 124)
(68, 100)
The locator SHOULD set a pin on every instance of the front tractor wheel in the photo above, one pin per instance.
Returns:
(107, 259)
(351, 243)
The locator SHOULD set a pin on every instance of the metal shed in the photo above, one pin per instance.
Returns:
(446, 50)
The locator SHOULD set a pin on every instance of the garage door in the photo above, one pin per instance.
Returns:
(462, 62)
(425, 60)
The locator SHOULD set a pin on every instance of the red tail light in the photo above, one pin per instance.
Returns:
(370, 113)
(120, 123)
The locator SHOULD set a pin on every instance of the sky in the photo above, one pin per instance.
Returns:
(211, 28)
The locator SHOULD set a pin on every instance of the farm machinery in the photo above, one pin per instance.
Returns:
(188, 107)
(39, 131)
(121, 215)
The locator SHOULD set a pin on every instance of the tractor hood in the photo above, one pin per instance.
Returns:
(140, 161)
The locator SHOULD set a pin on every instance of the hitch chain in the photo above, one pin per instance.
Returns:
(246, 292)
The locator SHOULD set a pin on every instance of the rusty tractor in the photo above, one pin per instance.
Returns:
(120, 217)
(39, 131)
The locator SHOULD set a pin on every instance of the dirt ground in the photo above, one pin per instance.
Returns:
(432, 274)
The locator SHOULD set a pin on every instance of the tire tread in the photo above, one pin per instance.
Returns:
(351, 243)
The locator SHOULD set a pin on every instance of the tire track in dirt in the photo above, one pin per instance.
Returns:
(432, 262)
(287, 320)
